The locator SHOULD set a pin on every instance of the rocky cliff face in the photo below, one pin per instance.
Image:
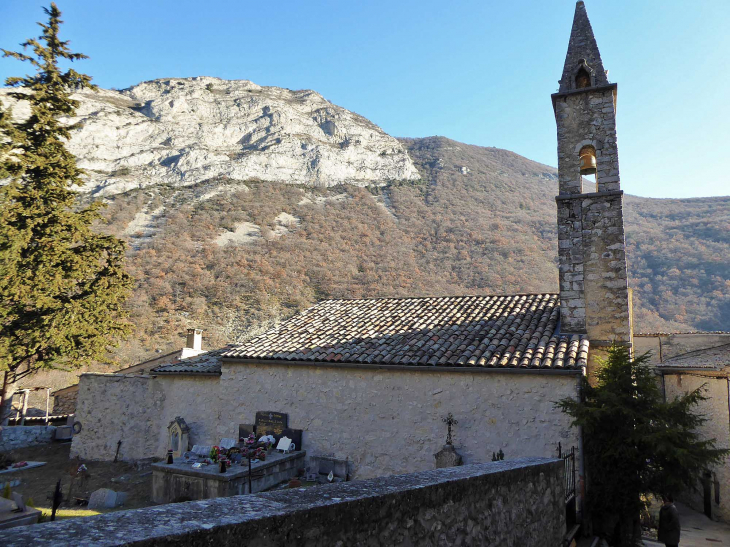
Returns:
(185, 131)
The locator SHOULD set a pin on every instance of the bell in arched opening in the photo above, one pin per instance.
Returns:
(587, 160)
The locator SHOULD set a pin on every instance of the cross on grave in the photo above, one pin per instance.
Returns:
(449, 420)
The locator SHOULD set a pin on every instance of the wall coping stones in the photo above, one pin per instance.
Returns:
(608, 193)
(222, 521)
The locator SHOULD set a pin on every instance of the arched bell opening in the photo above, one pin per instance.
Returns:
(588, 168)
(582, 79)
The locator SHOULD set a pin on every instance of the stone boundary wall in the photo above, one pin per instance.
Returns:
(664, 346)
(65, 403)
(517, 503)
(25, 435)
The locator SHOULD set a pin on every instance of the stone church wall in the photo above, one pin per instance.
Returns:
(385, 421)
(715, 408)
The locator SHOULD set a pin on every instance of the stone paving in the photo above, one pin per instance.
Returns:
(698, 530)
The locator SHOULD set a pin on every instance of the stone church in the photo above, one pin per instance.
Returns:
(370, 381)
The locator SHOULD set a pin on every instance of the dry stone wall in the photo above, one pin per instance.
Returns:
(510, 504)
(65, 403)
(21, 436)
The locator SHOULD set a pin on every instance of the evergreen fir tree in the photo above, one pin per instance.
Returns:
(636, 443)
(62, 284)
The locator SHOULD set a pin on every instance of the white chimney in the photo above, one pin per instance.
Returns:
(195, 339)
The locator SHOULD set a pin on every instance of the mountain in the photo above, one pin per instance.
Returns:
(193, 170)
(183, 131)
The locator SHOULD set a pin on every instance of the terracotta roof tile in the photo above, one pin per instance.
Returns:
(463, 331)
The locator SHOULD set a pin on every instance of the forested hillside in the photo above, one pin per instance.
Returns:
(232, 256)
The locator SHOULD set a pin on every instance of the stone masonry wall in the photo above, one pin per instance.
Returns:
(666, 346)
(510, 504)
(22, 436)
(587, 118)
(594, 294)
(390, 421)
(385, 421)
(65, 403)
(715, 408)
(114, 407)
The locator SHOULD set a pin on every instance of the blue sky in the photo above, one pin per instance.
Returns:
(476, 71)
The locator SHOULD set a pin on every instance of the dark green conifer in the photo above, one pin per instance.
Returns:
(62, 283)
(636, 443)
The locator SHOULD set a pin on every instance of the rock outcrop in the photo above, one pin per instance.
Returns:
(188, 130)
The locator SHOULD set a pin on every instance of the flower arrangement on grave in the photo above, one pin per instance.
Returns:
(214, 452)
(261, 454)
(250, 440)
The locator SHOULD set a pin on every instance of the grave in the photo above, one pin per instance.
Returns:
(15, 513)
(178, 440)
(181, 482)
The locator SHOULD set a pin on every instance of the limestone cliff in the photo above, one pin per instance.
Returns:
(184, 131)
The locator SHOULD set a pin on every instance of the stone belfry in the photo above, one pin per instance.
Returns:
(594, 294)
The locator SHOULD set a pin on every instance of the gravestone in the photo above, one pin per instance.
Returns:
(296, 437)
(274, 422)
(178, 440)
(244, 430)
(201, 450)
(447, 457)
(104, 498)
(228, 443)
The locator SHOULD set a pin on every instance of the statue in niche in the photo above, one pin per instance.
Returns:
(178, 437)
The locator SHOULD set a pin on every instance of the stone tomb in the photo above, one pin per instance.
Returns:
(178, 440)
(180, 482)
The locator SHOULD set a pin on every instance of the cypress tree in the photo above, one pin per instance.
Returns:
(636, 443)
(62, 283)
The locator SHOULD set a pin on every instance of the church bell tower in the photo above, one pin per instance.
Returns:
(594, 293)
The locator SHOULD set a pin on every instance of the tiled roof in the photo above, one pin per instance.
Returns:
(715, 358)
(470, 331)
(205, 363)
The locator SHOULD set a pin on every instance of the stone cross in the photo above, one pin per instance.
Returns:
(449, 420)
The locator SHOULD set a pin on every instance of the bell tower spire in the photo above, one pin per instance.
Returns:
(594, 293)
(583, 58)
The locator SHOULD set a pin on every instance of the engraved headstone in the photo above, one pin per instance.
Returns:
(274, 422)
(227, 443)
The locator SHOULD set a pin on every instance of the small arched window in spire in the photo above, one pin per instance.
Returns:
(582, 79)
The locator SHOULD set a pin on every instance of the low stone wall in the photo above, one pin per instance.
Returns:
(25, 435)
(516, 503)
